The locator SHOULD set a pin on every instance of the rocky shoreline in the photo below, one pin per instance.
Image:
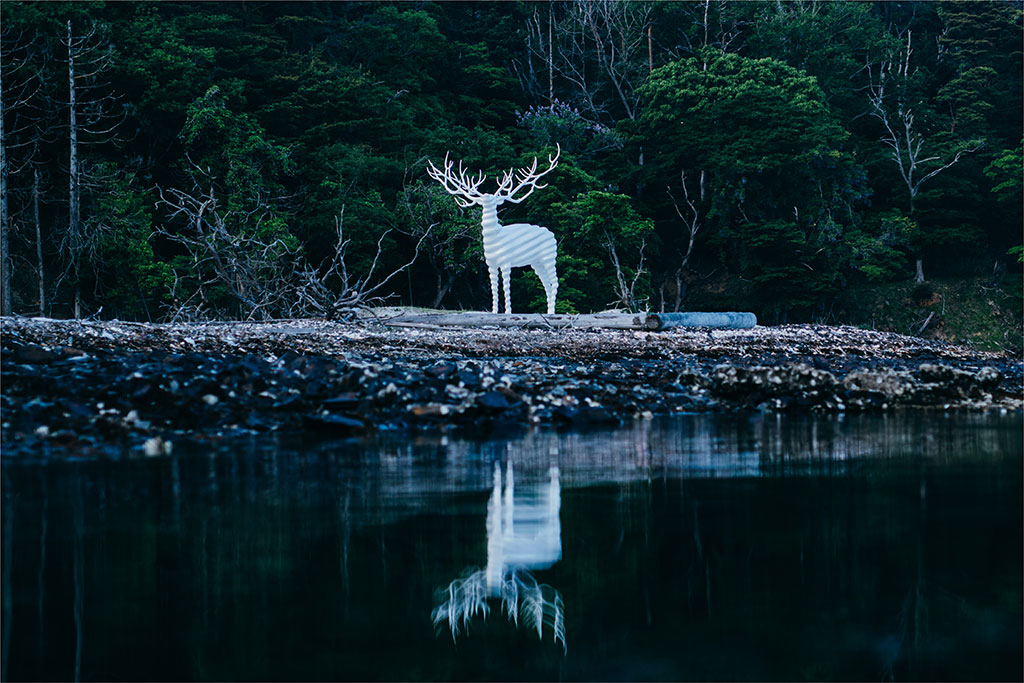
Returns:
(113, 387)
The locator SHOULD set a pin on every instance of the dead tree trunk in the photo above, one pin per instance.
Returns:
(39, 243)
(23, 62)
(443, 285)
(551, 60)
(903, 135)
(74, 189)
(693, 221)
(92, 117)
(5, 256)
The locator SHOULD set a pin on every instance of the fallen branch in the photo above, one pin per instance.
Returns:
(926, 321)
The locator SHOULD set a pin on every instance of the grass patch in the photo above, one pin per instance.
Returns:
(974, 312)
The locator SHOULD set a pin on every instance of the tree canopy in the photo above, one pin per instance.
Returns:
(172, 159)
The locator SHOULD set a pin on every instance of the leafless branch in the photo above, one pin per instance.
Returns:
(265, 277)
(891, 107)
(626, 291)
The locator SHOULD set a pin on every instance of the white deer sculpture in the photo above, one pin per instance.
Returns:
(510, 246)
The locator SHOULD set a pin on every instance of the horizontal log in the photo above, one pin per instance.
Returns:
(583, 321)
(587, 321)
(731, 320)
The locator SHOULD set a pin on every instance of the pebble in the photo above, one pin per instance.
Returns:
(156, 446)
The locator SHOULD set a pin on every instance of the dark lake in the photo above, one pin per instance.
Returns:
(698, 547)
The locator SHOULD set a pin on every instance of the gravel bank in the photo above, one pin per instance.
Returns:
(115, 387)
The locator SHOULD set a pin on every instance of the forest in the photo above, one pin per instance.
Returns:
(172, 161)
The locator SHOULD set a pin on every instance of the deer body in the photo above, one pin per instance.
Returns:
(512, 246)
(509, 246)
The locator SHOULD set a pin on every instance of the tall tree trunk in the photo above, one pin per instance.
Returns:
(442, 289)
(39, 243)
(551, 60)
(918, 260)
(680, 291)
(74, 208)
(650, 53)
(707, 5)
(5, 256)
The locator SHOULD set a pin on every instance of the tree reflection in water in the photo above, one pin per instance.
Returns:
(523, 533)
(741, 547)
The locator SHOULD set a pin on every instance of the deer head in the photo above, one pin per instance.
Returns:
(514, 186)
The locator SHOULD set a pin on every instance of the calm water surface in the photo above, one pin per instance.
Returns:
(701, 547)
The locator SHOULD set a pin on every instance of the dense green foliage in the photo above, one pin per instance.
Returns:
(799, 149)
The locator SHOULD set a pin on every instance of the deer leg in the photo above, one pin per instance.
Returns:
(494, 288)
(506, 281)
(554, 292)
(548, 277)
(545, 279)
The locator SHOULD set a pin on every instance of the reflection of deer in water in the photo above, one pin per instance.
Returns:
(522, 534)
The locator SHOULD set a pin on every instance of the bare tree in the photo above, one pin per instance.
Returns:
(264, 277)
(40, 270)
(619, 30)
(895, 111)
(718, 26)
(600, 49)
(18, 86)
(693, 220)
(446, 234)
(90, 116)
(5, 250)
(337, 294)
(625, 286)
(251, 268)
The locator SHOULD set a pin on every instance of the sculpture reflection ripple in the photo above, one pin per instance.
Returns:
(523, 533)
(509, 246)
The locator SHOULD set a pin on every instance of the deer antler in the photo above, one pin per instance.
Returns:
(465, 188)
(525, 178)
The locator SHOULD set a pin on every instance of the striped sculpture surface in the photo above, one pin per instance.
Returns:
(506, 246)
